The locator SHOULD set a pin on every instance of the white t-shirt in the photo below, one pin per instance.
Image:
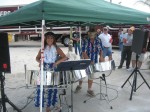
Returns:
(105, 39)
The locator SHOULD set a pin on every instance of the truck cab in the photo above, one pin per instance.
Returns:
(63, 34)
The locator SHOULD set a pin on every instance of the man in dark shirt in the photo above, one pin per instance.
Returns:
(148, 47)
(76, 41)
(127, 52)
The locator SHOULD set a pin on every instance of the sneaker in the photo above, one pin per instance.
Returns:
(119, 67)
(78, 88)
(130, 69)
(90, 93)
(57, 109)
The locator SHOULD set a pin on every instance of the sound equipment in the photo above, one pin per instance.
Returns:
(4, 53)
(139, 40)
(139, 43)
(5, 67)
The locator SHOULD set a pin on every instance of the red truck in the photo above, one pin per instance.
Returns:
(4, 10)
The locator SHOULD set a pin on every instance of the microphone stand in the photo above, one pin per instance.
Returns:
(105, 96)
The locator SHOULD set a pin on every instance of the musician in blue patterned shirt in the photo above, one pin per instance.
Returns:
(90, 50)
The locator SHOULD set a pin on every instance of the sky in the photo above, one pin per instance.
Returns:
(15, 2)
(132, 4)
(128, 3)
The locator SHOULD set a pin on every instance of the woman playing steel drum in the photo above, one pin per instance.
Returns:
(51, 52)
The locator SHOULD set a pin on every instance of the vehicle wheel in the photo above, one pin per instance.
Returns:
(66, 41)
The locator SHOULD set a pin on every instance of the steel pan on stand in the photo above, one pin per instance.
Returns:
(95, 71)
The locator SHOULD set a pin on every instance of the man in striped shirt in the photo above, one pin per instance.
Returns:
(90, 50)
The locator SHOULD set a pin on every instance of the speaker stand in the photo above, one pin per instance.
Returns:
(102, 96)
(134, 84)
(4, 98)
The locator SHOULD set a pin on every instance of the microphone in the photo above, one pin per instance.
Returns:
(103, 75)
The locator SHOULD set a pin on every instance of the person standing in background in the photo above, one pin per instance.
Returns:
(123, 34)
(106, 40)
(148, 47)
(127, 52)
(120, 37)
(98, 32)
(101, 52)
(140, 56)
(76, 40)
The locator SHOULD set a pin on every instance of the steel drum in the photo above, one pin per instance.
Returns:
(32, 77)
(96, 67)
(65, 78)
(90, 71)
(104, 66)
(50, 78)
(79, 75)
(94, 71)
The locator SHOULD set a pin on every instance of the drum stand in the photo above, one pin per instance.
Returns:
(70, 107)
(103, 96)
(4, 98)
(73, 65)
(134, 84)
(64, 96)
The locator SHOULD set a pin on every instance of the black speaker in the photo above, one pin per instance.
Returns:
(4, 53)
(139, 41)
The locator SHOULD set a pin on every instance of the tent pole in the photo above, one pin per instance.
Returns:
(70, 32)
(80, 37)
(71, 37)
(42, 59)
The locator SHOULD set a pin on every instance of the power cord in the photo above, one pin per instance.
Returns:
(28, 102)
(103, 78)
(20, 87)
(109, 88)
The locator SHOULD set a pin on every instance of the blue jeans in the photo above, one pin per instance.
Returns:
(121, 46)
(107, 52)
(77, 48)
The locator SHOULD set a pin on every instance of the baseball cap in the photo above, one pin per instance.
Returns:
(132, 28)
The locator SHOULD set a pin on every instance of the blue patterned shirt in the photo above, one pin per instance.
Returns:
(100, 42)
(91, 49)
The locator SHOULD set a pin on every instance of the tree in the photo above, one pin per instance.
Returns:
(144, 2)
